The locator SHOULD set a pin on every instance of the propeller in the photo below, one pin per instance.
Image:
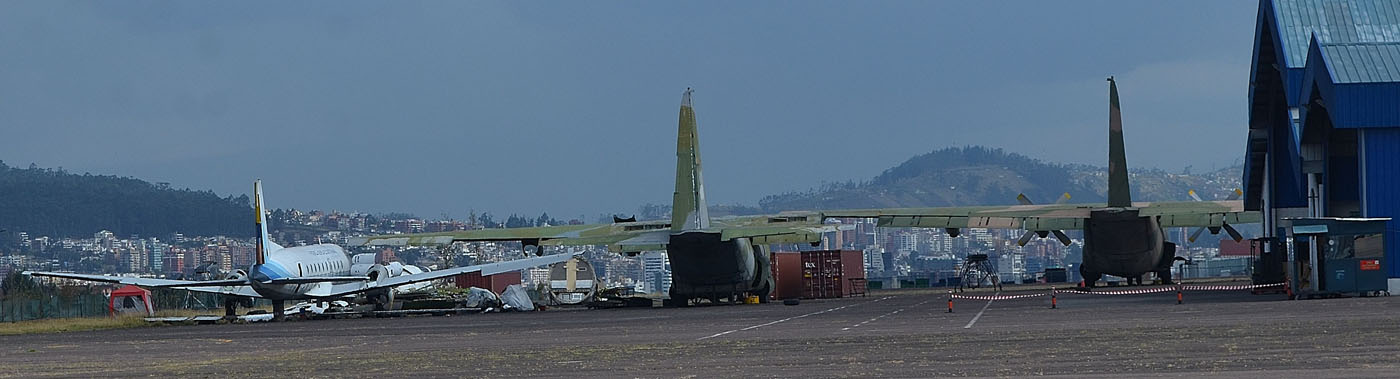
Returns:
(1234, 234)
(1060, 235)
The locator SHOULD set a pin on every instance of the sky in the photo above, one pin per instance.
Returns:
(439, 108)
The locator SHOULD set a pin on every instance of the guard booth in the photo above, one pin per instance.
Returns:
(1337, 256)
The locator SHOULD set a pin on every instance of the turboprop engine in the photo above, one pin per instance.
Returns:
(237, 275)
(383, 299)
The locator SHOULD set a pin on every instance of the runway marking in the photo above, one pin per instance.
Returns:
(979, 314)
(786, 319)
(881, 316)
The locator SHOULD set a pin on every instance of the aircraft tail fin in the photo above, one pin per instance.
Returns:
(1119, 192)
(264, 244)
(688, 209)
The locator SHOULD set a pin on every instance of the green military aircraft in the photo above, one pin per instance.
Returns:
(713, 258)
(726, 257)
(1122, 237)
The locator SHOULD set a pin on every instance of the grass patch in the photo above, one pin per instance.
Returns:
(78, 324)
(60, 325)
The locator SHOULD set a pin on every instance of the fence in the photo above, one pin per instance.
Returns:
(27, 308)
(85, 303)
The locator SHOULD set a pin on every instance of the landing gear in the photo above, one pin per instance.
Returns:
(230, 307)
(279, 310)
(382, 303)
(678, 301)
(1166, 276)
(764, 291)
(1090, 278)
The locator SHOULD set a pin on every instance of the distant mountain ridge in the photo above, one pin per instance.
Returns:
(975, 175)
(55, 203)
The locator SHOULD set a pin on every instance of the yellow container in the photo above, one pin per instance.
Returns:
(751, 299)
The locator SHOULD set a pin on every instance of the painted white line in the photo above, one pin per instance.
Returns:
(881, 316)
(785, 320)
(873, 319)
(979, 314)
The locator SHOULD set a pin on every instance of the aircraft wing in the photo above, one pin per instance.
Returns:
(144, 282)
(1051, 216)
(621, 237)
(239, 290)
(237, 287)
(484, 269)
(607, 232)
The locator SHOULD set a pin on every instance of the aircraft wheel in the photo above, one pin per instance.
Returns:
(381, 302)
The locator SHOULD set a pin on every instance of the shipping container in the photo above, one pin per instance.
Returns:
(497, 283)
(828, 273)
(787, 276)
(1230, 248)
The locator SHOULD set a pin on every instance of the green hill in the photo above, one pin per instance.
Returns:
(55, 203)
(985, 176)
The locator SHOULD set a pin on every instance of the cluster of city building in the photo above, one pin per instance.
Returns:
(889, 252)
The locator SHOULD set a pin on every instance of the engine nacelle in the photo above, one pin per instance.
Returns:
(377, 273)
(237, 275)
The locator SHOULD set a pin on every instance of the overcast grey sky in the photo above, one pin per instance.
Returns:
(570, 107)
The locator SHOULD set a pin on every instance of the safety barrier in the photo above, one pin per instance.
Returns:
(1193, 287)
(1053, 292)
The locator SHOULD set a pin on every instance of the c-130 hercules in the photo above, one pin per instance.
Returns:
(727, 257)
(1122, 238)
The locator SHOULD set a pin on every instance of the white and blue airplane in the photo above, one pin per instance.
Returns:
(313, 272)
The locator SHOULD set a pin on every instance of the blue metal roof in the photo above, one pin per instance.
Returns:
(1363, 62)
(1333, 21)
(1358, 83)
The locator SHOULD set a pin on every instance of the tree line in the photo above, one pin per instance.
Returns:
(56, 203)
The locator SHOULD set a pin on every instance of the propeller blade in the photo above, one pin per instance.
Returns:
(1236, 195)
(1196, 235)
(1194, 195)
(1233, 233)
(1024, 200)
(1064, 239)
(1025, 238)
(1063, 198)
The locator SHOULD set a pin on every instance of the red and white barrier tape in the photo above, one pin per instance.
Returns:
(997, 297)
(1139, 291)
(1194, 287)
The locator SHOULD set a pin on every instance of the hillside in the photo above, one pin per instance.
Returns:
(55, 203)
(985, 176)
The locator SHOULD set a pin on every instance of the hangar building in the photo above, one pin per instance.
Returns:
(1324, 115)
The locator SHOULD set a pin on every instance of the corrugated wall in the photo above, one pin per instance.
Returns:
(1382, 166)
(1366, 105)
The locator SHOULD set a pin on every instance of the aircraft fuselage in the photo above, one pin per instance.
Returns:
(299, 262)
(1117, 241)
(705, 266)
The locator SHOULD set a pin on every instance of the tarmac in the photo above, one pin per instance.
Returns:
(894, 333)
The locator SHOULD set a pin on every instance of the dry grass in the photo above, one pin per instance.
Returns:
(60, 325)
(78, 324)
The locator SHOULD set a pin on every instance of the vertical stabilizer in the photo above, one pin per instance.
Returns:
(688, 210)
(264, 244)
(1118, 190)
